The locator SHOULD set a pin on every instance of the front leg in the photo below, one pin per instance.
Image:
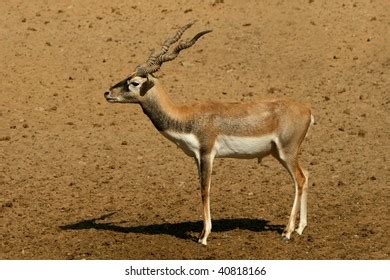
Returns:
(205, 164)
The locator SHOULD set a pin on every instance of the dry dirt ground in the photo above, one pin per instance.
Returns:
(84, 179)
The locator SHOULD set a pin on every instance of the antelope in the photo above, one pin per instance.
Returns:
(212, 130)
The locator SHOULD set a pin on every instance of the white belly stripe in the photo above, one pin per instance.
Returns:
(245, 147)
(224, 146)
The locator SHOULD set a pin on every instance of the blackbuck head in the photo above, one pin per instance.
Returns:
(133, 88)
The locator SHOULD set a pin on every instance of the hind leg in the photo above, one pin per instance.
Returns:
(303, 210)
(290, 162)
(299, 179)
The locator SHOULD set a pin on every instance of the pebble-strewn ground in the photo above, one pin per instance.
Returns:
(84, 179)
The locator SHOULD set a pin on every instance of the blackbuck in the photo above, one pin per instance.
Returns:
(211, 130)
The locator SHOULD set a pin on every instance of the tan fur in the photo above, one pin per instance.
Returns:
(254, 118)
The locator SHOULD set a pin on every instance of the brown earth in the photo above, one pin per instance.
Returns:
(81, 178)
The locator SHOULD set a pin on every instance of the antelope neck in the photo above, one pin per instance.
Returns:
(164, 113)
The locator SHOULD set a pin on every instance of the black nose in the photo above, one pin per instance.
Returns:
(106, 94)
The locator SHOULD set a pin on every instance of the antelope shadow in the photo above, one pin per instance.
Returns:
(180, 230)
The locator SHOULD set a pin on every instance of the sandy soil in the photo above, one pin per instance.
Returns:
(84, 179)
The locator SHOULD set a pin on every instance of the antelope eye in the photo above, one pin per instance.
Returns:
(134, 84)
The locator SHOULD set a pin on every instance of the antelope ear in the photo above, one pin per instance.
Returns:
(146, 86)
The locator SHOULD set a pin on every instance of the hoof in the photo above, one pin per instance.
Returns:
(300, 229)
(285, 238)
(202, 241)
